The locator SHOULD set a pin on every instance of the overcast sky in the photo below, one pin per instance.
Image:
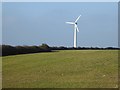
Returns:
(36, 23)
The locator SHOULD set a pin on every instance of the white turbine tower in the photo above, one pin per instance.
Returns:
(75, 30)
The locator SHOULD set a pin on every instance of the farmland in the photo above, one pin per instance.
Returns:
(61, 69)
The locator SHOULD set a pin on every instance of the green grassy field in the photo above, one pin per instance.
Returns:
(62, 69)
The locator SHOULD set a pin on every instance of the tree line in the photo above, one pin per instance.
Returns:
(14, 50)
(83, 48)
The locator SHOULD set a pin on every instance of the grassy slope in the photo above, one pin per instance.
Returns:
(62, 69)
(0, 72)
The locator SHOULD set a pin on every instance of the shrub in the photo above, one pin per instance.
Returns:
(45, 47)
(10, 50)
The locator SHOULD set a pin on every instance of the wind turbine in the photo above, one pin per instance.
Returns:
(75, 30)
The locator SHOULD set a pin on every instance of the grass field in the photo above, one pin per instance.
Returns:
(62, 69)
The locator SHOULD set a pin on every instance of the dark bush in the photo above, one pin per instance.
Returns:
(45, 47)
(10, 50)
(0, 50)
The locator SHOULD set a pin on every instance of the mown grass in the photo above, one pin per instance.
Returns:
(62, 69)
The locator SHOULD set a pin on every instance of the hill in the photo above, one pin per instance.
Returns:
(62, 69)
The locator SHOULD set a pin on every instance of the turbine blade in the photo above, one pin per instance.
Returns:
(70, 22)
(77, 18)
(77, 28)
